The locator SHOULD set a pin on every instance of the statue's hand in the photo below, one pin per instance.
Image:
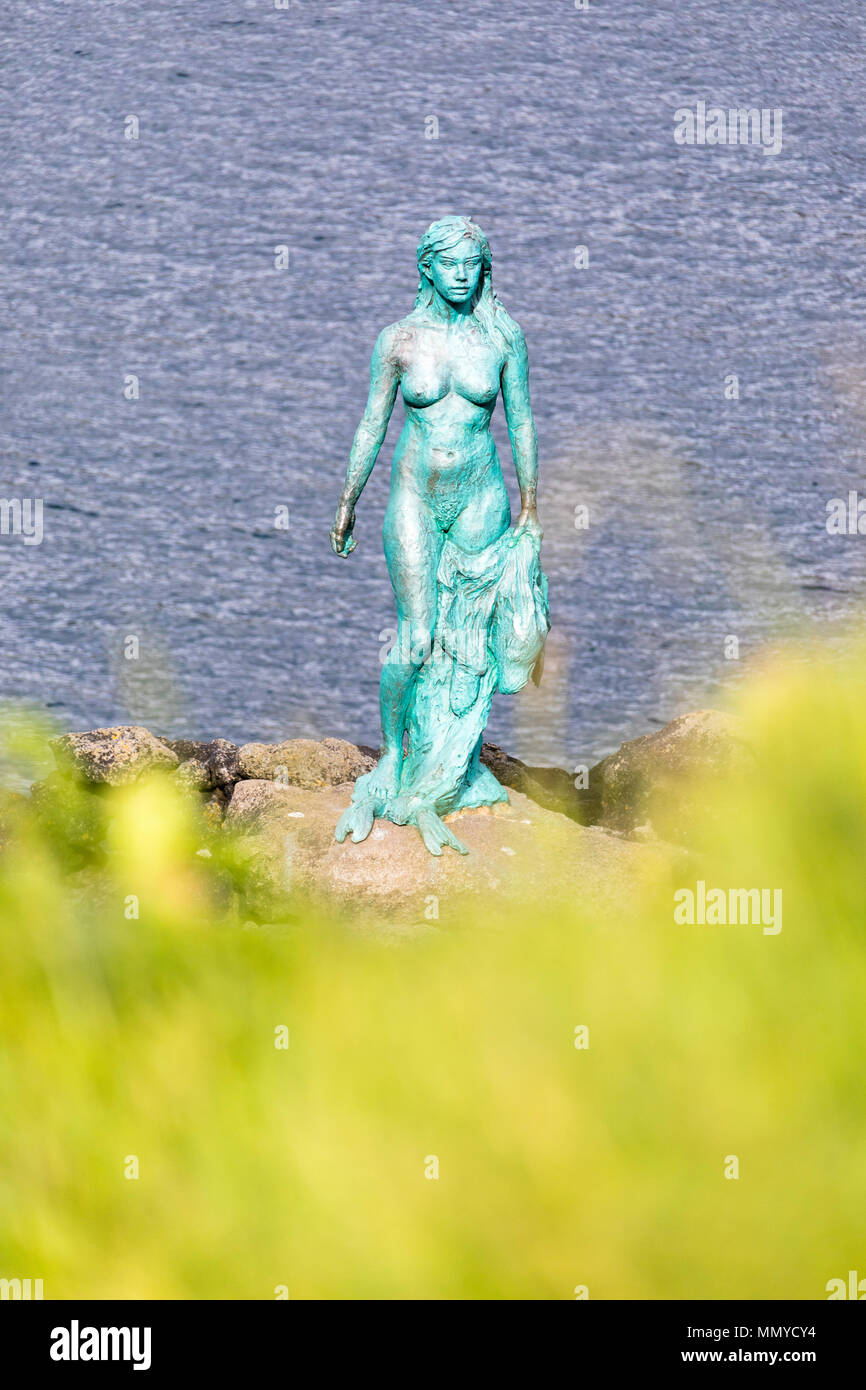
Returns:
(342, 540)
(528, 521)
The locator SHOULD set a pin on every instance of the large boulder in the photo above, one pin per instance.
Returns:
(115, 756)
(304, 762)
(518, 853)
(661, 784)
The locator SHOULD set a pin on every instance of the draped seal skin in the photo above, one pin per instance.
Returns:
(472, 611)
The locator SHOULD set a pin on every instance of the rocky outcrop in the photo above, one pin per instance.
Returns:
(121, 754)
(659, 784)
(518, 852)
(114, 756)
(652, 785)
(282, 802)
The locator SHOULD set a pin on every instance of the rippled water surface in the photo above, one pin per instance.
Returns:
(305, 128)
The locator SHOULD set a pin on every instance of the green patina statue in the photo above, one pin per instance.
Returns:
(471, 595)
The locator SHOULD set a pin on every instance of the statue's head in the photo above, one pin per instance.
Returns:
(454, 260)
(453, 257)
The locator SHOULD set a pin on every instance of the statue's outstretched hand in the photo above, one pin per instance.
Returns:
(342, 540)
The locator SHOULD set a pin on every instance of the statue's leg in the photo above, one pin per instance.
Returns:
(413, 544)
(485, 517)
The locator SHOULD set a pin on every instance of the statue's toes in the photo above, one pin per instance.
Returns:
(432, 841)
(356, 821)
(453, 841)
(436, 834)
(363, 823)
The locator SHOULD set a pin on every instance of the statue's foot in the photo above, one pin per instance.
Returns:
(382, 783)
(436, 834)
(357, 821)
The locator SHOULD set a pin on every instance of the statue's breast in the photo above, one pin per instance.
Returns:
(475, 375)
(425, 379)
(470, 370)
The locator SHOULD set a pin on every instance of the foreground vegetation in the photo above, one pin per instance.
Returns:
(145, 1023)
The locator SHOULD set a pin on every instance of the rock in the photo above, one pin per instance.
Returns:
(214, 807)
(219, 756)
(517, 851)
(551, 787)
(224, 763)
(304, 762)
(116, 756)
(657, 784)
(255, 798)
(195, 775)
(187, 748)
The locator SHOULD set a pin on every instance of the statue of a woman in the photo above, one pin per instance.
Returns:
(471, 595)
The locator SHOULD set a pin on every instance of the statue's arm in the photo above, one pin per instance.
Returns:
(521, 430)
(369, 436)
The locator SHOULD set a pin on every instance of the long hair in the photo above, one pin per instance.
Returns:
(487, 309)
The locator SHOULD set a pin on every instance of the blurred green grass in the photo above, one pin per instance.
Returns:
(262, 1167)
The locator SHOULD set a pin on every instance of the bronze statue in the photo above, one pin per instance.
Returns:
(471, 595)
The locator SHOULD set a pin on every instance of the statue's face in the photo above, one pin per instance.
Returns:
(456, 271)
